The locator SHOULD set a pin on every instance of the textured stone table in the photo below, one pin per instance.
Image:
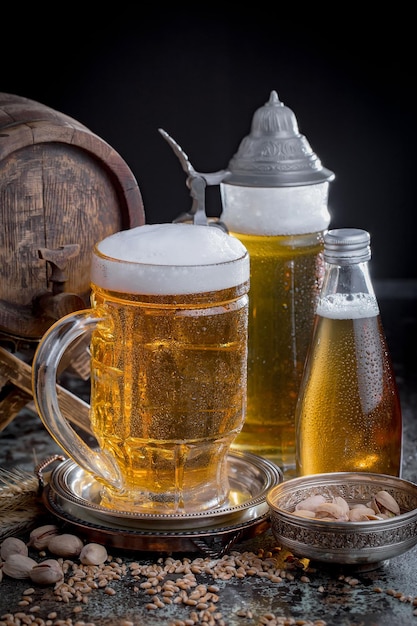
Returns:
(338, 597)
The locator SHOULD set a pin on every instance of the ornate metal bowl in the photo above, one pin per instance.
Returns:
(346, 543)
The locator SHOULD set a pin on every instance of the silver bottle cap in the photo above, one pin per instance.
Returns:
(275, 154)
(345, 246)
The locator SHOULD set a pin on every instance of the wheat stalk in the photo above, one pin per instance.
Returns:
(20, 503)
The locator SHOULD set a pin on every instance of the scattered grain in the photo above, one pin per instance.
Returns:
(171, 581)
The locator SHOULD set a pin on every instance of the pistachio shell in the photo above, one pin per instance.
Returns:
(48, 572)
(386, 503)
(18, 566)
(65, 545)
(310, 503)
(93, 554)
(362, 514)
(332, 510)
(342, 503)
(40, 537)
(363, 506)
(305, 513)
(382, 506)
(13, 545)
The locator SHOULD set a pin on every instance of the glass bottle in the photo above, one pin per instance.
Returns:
(348, 415)
(275, 200)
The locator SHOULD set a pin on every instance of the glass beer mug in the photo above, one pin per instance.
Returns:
(168, 327)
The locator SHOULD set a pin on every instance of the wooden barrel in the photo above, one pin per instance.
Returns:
(62, 189)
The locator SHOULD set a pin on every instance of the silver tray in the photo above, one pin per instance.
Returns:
(250, 478)
(74, 496)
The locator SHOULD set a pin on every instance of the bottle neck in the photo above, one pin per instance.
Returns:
(346, 279)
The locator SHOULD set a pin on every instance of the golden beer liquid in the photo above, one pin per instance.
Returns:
(349, 414)
(168, 394)
(286, 274)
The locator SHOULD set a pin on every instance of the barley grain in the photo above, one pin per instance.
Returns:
(110, 591)
(276, 579)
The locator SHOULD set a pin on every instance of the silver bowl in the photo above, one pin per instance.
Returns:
(344, 543)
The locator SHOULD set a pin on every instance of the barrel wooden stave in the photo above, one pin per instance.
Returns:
(60, 184)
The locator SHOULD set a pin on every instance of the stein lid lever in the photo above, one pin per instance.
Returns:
(197, 183)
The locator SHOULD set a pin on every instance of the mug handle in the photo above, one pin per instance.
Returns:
(45, 364)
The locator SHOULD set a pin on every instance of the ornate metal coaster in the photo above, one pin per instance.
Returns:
(74, 497)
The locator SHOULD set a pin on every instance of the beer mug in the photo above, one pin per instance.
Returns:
(168, 326)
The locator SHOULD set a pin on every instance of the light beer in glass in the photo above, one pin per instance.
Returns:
(168, 366)
(349, 414)
(286, 273)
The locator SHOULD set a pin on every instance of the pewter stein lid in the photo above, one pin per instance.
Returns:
(275, 154)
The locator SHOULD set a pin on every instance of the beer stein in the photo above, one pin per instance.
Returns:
(168, 326)
(275, 201)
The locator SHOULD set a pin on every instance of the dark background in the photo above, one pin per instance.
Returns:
(201, 77)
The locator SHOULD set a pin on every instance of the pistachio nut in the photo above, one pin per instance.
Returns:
(40, 537)
(382, 506)
(13, 545)
(385, 504)
(65, 545)
(332, 510)
(93, 554)
(362, 513)
(47, 572)
(18, 566)
(311, 503)
(305, 513)
(343, 504)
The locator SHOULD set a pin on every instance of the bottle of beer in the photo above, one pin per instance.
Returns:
(348, 414)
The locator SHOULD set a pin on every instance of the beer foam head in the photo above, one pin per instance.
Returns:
(342, 306)
(166, 259)
(273, 211)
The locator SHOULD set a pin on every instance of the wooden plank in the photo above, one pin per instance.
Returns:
(16, 371)
(12, 402)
